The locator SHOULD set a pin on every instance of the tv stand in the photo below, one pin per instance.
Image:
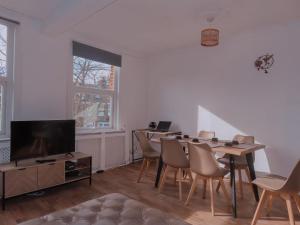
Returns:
(28, 176)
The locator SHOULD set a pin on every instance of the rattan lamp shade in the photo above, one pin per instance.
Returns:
(210, 37)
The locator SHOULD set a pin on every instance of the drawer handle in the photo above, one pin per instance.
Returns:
(50, 164)
(22, 169)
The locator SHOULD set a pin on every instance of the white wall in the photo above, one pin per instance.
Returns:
(44, 73)
(219, 89)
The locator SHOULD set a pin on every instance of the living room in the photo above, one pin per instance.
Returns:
(101, 79)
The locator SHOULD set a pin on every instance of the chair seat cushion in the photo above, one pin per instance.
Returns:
(111, 209)
(151, 154)
(220, 172)
(270, 182)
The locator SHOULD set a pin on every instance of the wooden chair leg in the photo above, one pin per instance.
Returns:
(175, 176)
(241, 183)
(224, 190)
(212, 200)
(297, 199)
(162, 182)
(288, 201)
(259, 208)
(204, 189)
(180, 183)
(142, 170)
(192, 190)
(147, 166)
(270, 204)
(248, 175)
(190, 176)
(218, 187)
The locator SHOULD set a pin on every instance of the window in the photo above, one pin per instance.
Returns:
(7, 40)
(95, 87)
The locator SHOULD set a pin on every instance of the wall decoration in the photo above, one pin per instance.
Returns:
(264, 62)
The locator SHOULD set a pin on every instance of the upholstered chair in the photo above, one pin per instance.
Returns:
(240, 162)
(285, 188)
(149, 154)
(206, 167)
(174, 159)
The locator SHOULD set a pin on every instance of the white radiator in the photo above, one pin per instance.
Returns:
(107, 149)
(115, 151)
(4, 151)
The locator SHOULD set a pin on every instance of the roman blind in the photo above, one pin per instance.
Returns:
(95, 54)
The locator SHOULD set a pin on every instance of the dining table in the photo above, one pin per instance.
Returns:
(237, 149)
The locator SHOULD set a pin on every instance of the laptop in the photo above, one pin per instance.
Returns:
(163, 126)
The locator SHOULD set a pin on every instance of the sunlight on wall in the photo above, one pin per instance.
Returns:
(210, 122)
(225, 131)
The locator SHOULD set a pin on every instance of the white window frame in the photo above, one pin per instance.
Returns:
(8, 81)
(115, 102)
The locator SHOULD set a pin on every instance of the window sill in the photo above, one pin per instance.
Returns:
(4, 139)
(95, 132)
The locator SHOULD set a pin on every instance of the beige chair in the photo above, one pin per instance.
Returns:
(206, 167)
(149, 154)
(174, 159)
(206, 134)
(240, 162)
(286, 188)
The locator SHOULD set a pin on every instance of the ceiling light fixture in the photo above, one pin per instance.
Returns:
(210, 36)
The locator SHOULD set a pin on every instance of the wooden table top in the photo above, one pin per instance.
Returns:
(166, 133)
(238, 150)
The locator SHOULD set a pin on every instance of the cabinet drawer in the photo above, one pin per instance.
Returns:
(20, 181)
(51, 174)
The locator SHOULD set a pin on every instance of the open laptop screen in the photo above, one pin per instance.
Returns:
(164, 125)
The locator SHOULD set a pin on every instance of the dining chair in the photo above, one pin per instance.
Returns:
(174, 158)
(206, 167)
(285, 188)
(240, 162)
(206, 134)
(149, 154)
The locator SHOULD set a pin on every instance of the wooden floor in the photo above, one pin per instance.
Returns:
(123, 180)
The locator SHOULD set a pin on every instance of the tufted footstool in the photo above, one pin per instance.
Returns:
(111, 209)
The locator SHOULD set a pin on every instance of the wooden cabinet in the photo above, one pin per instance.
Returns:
(20, 181)
(51, 174)
(31, 176)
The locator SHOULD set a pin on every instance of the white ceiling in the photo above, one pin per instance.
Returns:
(40, 9)
(151, 26)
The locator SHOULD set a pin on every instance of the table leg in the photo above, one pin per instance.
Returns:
(233, 186)
(132, 146)
(90, 180)
(160, 165)
(250, 162)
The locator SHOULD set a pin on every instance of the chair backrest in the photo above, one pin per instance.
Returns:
(144, 143)
(244, 139)
(206, 134)
(173, 153)
(202, 159)
(292, 183)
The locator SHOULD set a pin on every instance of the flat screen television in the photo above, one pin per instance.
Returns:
(34, 139)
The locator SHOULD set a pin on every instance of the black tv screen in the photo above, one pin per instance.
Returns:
(33, 139)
